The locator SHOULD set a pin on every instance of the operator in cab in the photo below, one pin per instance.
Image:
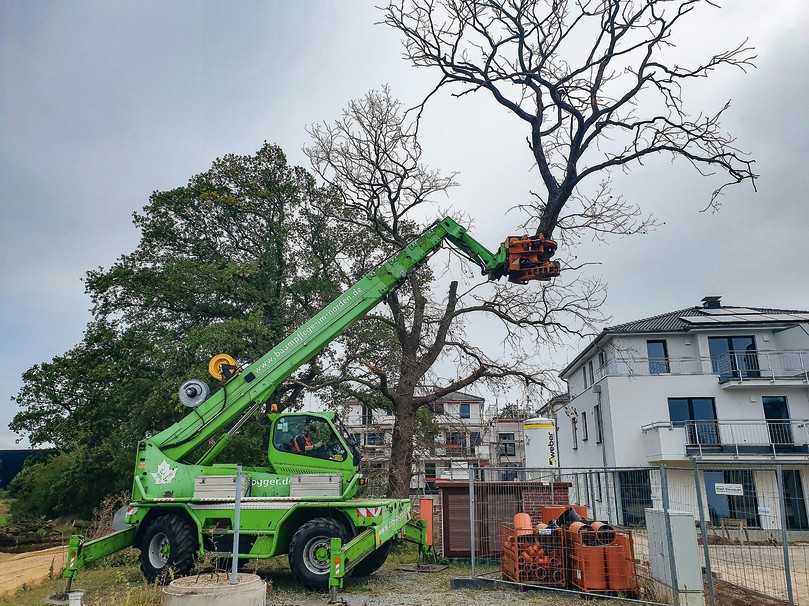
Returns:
(303, 442)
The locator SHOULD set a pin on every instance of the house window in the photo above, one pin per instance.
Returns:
(599, 426)
(375, 438)
(698, 416)
(429, 471)
(779, 427)
(592, 376)
(507, 444)
(463, 410)
(584, 371)
(512, 474)
(367, 415)
(437, 408)
(474, 438)
(795, 506)
(658, 355)
(575, 433)
(734, 357)
(602, 361)
(456, 440)
(584, 431)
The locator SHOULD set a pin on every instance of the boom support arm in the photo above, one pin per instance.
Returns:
(259, 380)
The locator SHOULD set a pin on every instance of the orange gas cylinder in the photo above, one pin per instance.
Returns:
(522, 524)
(620, 557)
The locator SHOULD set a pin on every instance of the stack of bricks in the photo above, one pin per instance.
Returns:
(437, 518)
(534, 496)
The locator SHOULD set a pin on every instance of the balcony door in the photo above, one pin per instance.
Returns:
(794, 501)
(734, 357)
(778, 425)
(698, 416)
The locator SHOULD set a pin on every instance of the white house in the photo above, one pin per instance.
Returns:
(725, 386)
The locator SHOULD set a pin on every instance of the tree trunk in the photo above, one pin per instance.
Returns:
(401, 454)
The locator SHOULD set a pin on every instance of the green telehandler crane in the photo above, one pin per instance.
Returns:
(305, 501)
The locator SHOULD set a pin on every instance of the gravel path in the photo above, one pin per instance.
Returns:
(393, 587)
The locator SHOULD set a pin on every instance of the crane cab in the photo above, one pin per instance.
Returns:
(312, 443)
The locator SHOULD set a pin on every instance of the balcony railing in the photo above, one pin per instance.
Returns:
(453, 450)
(729, 366)
(735, 437)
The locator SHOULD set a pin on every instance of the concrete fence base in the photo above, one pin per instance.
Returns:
(214, 590)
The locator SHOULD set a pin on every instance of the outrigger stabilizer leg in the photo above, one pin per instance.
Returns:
(81, 553)
(343, 558)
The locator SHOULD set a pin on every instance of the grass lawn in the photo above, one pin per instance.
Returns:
(122, 585)
(5, 506)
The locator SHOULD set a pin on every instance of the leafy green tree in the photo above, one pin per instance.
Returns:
(233, 261)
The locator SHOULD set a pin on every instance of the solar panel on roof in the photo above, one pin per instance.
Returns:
(699, 319)
(746, 318)
(785, 317)
(729, 310)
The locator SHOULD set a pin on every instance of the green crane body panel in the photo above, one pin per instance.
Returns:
(277, 497)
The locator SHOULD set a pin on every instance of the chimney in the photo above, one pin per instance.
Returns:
(712, 302)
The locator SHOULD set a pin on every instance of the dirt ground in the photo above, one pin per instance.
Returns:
(27, 569)
(757, 567)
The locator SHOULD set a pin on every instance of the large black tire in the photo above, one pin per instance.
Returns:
(372, 562)
(168, 546)
(308, 552)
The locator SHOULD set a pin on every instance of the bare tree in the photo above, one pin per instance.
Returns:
(372, 158)
(595, 84)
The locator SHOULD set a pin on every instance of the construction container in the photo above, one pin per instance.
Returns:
(602, 568)
(539, 558)
(620, 555)
(588, 563)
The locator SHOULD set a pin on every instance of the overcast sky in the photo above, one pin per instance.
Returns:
(103, 102)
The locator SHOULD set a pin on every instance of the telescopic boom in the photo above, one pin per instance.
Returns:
(521, 258)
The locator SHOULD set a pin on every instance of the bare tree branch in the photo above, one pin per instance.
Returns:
(588, 113)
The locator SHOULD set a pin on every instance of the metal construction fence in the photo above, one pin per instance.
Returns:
(712, 533)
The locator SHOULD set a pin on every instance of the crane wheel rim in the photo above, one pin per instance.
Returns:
(316, 555)
(159, 550)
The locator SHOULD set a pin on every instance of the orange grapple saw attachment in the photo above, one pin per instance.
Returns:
(529, 258)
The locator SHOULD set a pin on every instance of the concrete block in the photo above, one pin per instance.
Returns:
(214, 590)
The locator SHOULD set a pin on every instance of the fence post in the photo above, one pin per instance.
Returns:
(591, 494)
(703, 527)
(664, 487)
(472, 509)
(782, 502)
(237, 508)
(618, 511)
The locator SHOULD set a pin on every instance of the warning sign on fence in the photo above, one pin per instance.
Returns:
(736, 490)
